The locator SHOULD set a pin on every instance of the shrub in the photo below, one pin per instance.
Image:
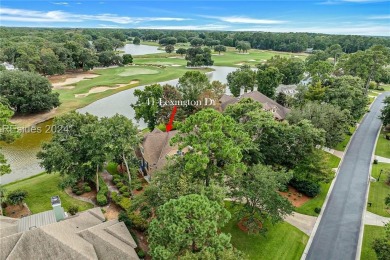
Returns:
(101, 199)
(284, 188)
(375, 161)
(79, 192)
(87, 188)
(124, 189)
(125, 219)
(17, 197)
(126, 194)
(139, 187)
(146, 212)
(75, 189)
(307, 187)
(72, 210)
(317, 210)
(116, 180)
(119, 185)
(125, 203)
(138, 222)
(115, 196)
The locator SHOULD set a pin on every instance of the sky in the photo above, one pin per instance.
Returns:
(360, 17)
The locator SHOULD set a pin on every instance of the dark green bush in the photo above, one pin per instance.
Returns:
(116, 180)
(72, 210)
(284, 188)
(124, 189)
(125, 219)
(141, 254)
(126, 194)
(119, 185)
(79, 192)
(87, 188)
(101, 199)
(375, 161)
(139, 187)
(307, 187)
(75, 189)
(317, 210)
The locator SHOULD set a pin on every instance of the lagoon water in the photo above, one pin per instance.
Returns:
(139, 49)
(21, 154)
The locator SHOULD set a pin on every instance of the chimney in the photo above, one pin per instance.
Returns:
(58, 210)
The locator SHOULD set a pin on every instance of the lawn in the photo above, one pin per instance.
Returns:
(282, 241)
(332, 160)
(341, 146)
(370, 234)
(316, 202)
(383, 146)
(231, 58)
(379, 190)
(41, 188)
(140, 75)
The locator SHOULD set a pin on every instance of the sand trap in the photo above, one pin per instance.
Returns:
(218, 54)
(64, 87)
(175, 65)
(75, 79)
(104, 88)
(174, 57)
(251, 60)
(239, 64)
(244, 53)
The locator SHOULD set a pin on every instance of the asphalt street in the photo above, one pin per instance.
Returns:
(337, 235)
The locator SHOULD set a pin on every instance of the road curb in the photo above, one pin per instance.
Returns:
(303, 257)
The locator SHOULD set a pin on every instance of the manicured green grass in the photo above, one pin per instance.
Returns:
(111, 77)
(379, 190)
(332, 160)
(41, 188)
(370, 234)
(230, 58)
(383, 146)
(317, 202)
(282, 241)
(341, 146)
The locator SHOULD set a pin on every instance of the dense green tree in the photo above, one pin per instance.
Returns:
(147, 105)
(190, 224)
(328, 117)
(50, 63)
(385, 112)
(368, 65)
(243, 46)
(136, 41)
(217, 144)
(182, 39)
(315, 92)
(8, 133)
(116, 43)
(258, 190)
(243, 78)
(291, 68)
(219, 49)
(268, 79)
(181, 51)
(199, 57)
(27, 92)
(197, 42)
(316, 56)
(169, 48)
(127, 59)
(191, 85)
(87, 59)
(71, 152)
(334, 51)
(103, 44)
(348, 93)
(320, 71)
(281, 99)
(381, 246)
(109, 58)
(168, 41)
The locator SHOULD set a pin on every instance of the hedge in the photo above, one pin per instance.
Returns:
(307, 187)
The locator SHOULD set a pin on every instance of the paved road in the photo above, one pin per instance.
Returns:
(337, 235)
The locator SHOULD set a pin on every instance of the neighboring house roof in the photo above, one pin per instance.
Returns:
(84, 236)
(36, 220)
(156, 146)
(289, 90)
(279, 111)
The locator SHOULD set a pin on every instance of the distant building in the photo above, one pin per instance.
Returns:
(289, 90)
(83, 236)
(279, 111)
(309, 50)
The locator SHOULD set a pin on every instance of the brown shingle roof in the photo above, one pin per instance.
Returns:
(279, 111)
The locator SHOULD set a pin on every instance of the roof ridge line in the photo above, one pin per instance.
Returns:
(13, 249)
(165, 143)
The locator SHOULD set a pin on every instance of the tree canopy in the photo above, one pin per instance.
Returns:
(243, 78)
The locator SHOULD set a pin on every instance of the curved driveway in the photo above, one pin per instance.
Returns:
(337, 236)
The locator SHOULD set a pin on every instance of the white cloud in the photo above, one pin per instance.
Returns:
(60, 3)
(372, 30)
(21, 15)
(380, 17)
(215, 27)
(243, 19)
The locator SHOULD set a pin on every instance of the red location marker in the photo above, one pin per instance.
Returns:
(169, 125)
